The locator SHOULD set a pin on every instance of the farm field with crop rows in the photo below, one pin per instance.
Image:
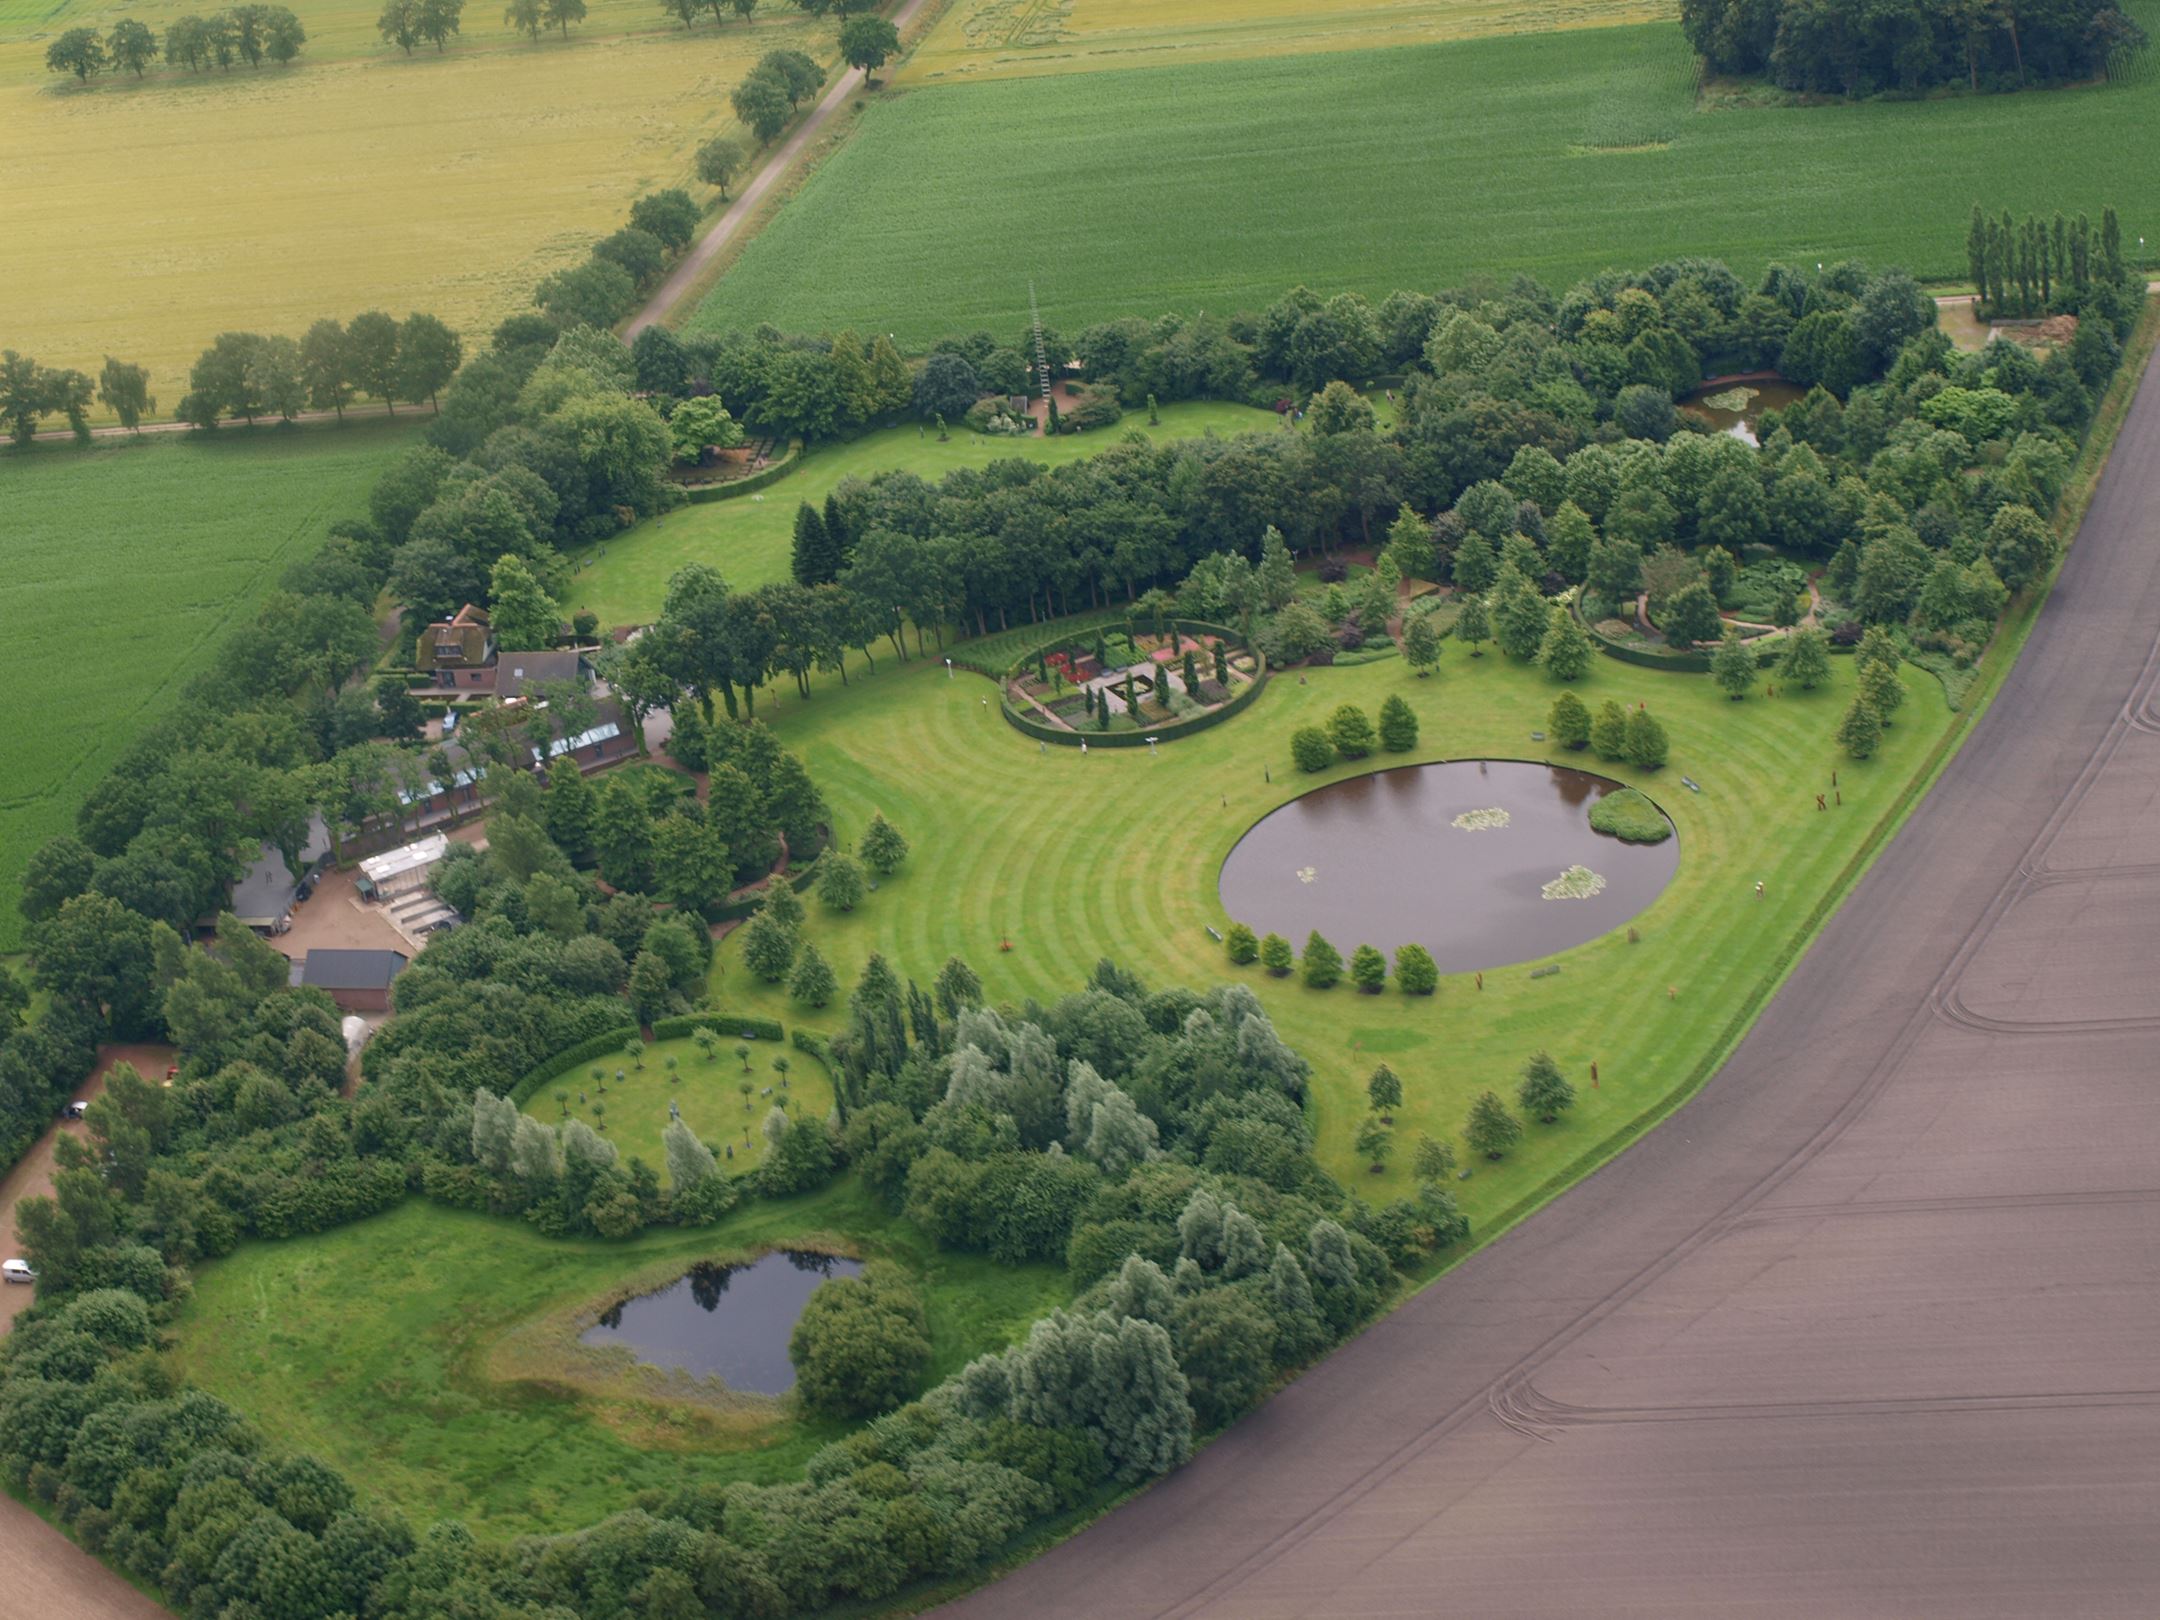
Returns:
(997, 39)
(191, 204)
(126, 566)
(1558, 155)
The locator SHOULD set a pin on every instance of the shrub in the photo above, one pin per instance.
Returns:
(1321, 962)
(1398, 726)
(1310, 749)
(1368, 970)
(1242, 944)
(861, 1345)
(1350, 731)
(1608, 732)
(1275, 955)
(1415, 972)
(1629, 816)
(1646, 742)
(1569, 722)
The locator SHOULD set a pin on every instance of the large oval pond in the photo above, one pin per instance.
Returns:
(1483, 862)
(725, 1322)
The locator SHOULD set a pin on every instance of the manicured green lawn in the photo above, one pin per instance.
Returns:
(1071, 858)
(749, 538)
(122, 568)
(709, 1094)
(1216, 185)
(425, 1354)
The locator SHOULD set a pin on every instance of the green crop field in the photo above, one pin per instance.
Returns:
(429, 1355)
(749, 538)
(1070, 858)
(124, 566)
(1217, 185)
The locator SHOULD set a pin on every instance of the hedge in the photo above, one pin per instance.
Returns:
(1029, 726)
(721, 1022)
(605, 1044)
(1696, 661)
(810, 1041)
(699, 494)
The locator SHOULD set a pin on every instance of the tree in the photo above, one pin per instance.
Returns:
(1568, 723)
(768, 947)
(1242, 944)
(1565, 652)
(1410, 543)
(371, 348)
(761, 102)
(1647, 746)
(399, 24)
(883, 846)
(670, 214)
(1491, 1130)
(1275, 955)
(1733, 664)
(1472, 625)
(945, 387)
(1806, 659)
(1368, 970)
(562, 13)
(131, 45)
(1374, 1142)
(78, 51)
(1275, 579)
(1421, 644)
(1321, 963)
(1398, 725)
(1415, 972)
(22, 395)
(527, 17)
(861, 1344)
(439, 19)
(1310, 749)
(2020, 547)
(868, 42)
(521, 613)
(701, 423)
(1383, 1092)
(1545, 1093)
(1608, 732)
(840, 881)
(1880, 689)
(428, 353)
(1350, 731)
(812, 983)
(718, 161)
(1860, 732)
(1689, 615)
(1433, 1160)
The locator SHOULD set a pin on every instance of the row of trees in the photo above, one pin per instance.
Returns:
(770, 92)
(246, 374)
(407, 23)
(253, 34)
(1908, 46)
(2018, 269)
(30, 392)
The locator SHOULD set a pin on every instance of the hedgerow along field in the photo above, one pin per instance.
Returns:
(750, 538)
(429, 1354)
(168, 211)
(127, 565)
(997, 39)
(1419, 167)
(1069, 858)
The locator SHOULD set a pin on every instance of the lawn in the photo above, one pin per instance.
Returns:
(997, 39)
(171, 210)
(426, 1354)
(1070, 858)
(749, 538)
(1217, 185)
(709, 1094)
(125, 565)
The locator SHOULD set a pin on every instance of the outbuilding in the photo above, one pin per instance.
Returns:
(358, 981)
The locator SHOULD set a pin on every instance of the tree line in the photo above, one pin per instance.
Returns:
(30, 392)
(248, 375)
(252, 34)
(1906, 47)
(2035, 267)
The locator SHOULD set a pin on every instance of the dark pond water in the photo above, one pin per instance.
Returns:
(1384, 860)
(1740, 422)
(728, 1322)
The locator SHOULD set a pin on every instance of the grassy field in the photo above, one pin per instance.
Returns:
(708, 1093)
(168, 211)
(1559, 154)
(429, 1354)
(749, 539)
(124, 566)
(997, 39)
(1072, 858)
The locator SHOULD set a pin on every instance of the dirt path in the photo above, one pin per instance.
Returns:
(725, 229)
(48, 1575)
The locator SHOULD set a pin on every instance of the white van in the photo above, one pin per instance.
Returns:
(17, 1271)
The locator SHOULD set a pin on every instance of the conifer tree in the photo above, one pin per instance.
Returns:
(1565, 653)
(1733, 665)
(1491, 1130)
(1545, 1093)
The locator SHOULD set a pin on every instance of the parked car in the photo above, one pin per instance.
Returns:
(75, 1110)
(17, 1271)
(301, 894)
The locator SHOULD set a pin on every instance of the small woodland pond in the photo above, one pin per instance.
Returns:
(1737, 407)
(1483, 862)
(725, 1322)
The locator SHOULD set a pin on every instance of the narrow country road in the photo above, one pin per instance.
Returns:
(48, 1576)
(725, 229)
(1865, 1329)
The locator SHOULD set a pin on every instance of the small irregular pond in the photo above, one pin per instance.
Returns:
(1737, 407)
(1483, 862)
(725, 1322)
